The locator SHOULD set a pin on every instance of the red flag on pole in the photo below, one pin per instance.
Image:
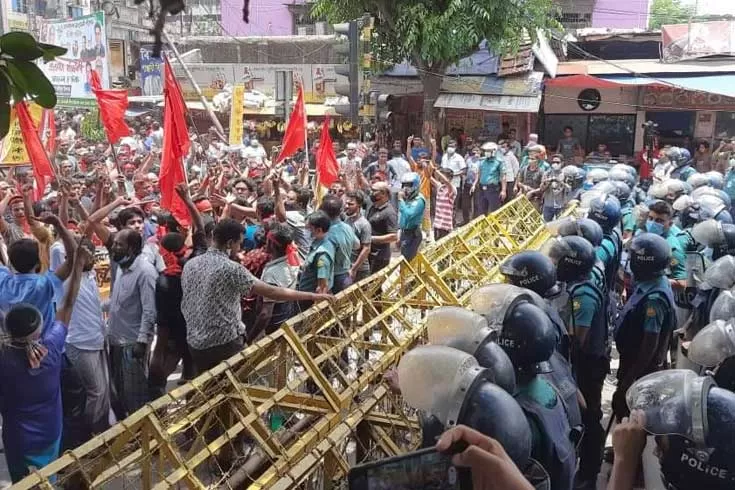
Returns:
(50, 142)
(112, 105)
(176, 145)
(42, 169)
(295, 137)
(327, 168)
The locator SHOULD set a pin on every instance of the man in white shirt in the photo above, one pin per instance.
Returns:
(453, 161)
(512, 167)
(350, 164)
(67, 134)
(157, 135)
(254, 151)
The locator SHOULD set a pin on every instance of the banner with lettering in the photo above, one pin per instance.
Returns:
(12, 149)
(236, 113)
(151, 69)
(86, 42)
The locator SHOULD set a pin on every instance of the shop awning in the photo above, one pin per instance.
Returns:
(498, 103)
(722, 84)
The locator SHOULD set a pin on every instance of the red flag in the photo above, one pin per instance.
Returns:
(42, 169)
(50, 130)
(295, 137)
(112, 104)
(176, 145)
(327, 168)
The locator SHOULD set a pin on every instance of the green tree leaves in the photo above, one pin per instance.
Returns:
(668, 12)
(20, 76)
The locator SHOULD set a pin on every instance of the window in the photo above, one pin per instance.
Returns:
(576, 19)
(75, 12)
(20, 6)
(617, 131)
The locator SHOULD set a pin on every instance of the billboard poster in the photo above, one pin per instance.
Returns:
(697, 40)
(236, 113)
(12, 148)
(151, 69)
(86, 42)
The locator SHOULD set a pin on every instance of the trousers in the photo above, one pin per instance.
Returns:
(591, 374)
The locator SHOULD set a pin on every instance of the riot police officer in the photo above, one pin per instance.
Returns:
(529, 339)
(589, 230)
(647, 321)
(606, 212)
(682, 169)
(692, 419)
(587, 320)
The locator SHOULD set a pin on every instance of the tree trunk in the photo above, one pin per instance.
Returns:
(432, 81)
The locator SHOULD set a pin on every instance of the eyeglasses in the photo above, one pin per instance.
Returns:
(241, 189)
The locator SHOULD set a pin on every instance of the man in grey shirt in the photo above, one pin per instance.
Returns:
(132, 318)
(361, 226)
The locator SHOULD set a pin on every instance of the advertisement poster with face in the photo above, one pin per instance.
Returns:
(86, 42)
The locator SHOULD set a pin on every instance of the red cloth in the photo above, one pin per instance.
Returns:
(295, 137)
(43, 172)
(50, 145)
(176, 145)
(112, 104)
(327, 168)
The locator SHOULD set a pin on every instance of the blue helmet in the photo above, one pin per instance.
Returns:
(605, 211)
(530, 269)
(410, 182)
(685, 157)
(650, 255)
(586, 228)
(528, 337)
(573, 256)
(622, 191)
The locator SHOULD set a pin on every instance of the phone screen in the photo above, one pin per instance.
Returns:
(421, 470)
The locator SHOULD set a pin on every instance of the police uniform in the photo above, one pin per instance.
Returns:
(649, 310)
(409, 221)
(319, 264)
(343, 240)
(729, 188)
(591, 364)
(682, 173)
(550, 429)
(562, 379)
(685, 466)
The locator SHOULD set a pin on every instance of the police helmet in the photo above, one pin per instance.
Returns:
(622, 191)
(697, 180)
(727, 245)
(716, 179)
(679, 402)
(621, 175)
(721, 273)
(605, 212)
(649, 256)
(529, 338)
(410, 182)
(530, 269)
(673, 154)
(469, 332)
(685, 157)
(573, 256)
(691, 215)
(451, 385)
(626, 168)
(584, 227)
(711, 192)
(597, 175)
(573, 175)
(713, 344)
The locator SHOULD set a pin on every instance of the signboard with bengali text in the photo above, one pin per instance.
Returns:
(236, 113)
(12, 148)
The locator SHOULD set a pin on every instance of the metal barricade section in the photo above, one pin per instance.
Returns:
(304, 404)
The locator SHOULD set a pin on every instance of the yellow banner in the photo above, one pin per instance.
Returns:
(236, 113)
(12, 149)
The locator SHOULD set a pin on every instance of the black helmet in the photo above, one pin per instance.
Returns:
(605, 211)
(584, 227)
(530, 269)
(622, 190)
(573, 255)
(727, 245)
(529, 338)
(649, 256)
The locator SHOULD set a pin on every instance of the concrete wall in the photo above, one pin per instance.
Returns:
(267, 18)
(563, 100)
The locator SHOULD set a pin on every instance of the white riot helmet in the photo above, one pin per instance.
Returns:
(490, 149)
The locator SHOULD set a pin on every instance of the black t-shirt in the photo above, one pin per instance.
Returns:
(169, 294)
(383, 221)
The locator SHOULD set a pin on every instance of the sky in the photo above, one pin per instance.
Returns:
(713, 7)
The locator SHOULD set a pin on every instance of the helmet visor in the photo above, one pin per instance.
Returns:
(492, 302)
(708, 233)
(713, 344)
(721, 274)
(456, 327)
(556, 249)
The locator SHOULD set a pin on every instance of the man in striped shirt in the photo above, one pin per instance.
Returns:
(445, 196)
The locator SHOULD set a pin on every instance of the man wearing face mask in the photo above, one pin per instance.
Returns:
(451, 160)
(132, 320)
(254, 151)
(489, 187)
(660, 222)
(361, 227)
(512, 167)
(383, 221)
(554, 190)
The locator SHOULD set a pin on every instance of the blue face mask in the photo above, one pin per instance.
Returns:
(654, 227)
(588, 185)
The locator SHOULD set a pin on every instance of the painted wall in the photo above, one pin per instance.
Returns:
(267, 18)
(563, 100)
(621, 14)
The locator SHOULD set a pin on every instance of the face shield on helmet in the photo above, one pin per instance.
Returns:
(622, 191)
(625, 168)
(410, 184)
(712, 202)
(708, 191)
(584, 227)
(721, 274)
(708, 233)
(604, 187)
(621, 175)
(675, 188)
(494, 300)
(490, 149)
(597, 175)
(457, 327)
(450, 385)
(698, 180)
(573, 256)
(530, 269)
(529, 338)
(727, 246)
(573, 176)
(673, 154)
(713, 344)
(672, 402)
(682, 202)
(588, 196)
(716, 179)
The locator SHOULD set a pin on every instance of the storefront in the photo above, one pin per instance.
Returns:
(597, 111)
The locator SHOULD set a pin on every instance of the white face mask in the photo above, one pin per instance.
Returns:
(488, 154)
(451, 150)
(556, 166)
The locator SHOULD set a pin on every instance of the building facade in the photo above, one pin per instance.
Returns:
(614, 14)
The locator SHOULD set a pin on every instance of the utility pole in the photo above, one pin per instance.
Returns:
(202, 98)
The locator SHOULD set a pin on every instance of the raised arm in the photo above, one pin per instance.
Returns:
(70, 245)
(80, 258)
(280, 207)
(196, 219)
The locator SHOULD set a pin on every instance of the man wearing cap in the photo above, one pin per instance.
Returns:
(350, 164)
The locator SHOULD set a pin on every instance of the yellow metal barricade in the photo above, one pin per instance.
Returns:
(303, 405)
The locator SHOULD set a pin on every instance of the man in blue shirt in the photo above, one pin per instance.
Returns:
(26, 286)
(30, 380)
(317, 273)
(489, 187)
(411, 208)
(343, 240)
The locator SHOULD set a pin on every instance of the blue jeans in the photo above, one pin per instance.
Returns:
(551, 213)
(410, 243)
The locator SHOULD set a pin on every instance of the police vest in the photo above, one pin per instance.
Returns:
(564, 342)
(597, 338)
(696, 264)
(563, 382)
(554, 451)
(629, 327)
(681, 173)
(614, 241)
(685, 466)
(701, 307)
